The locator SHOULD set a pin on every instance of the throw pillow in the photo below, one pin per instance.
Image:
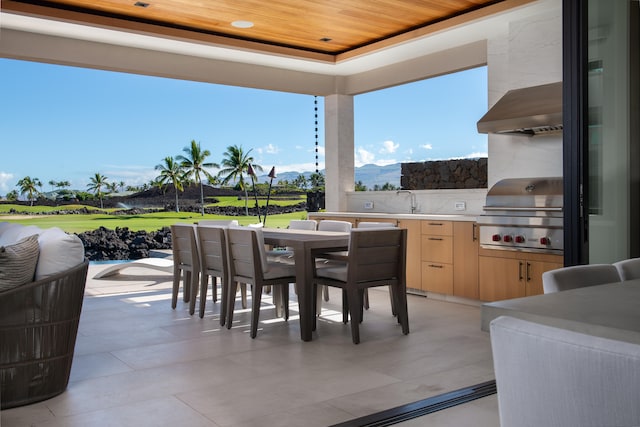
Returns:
(18, 262)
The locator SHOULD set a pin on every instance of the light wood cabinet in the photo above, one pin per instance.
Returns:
(414, 272)
(437, 256)
(465, 259)
(506, 274)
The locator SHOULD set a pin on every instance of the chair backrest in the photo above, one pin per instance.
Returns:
(628, 269)
(578, 276)
(548, 376)
(373, 224)
(333, 225)
(184, 246)
(212, 242)
(247, 257)
(221, 222)
(377, 255)
(256, 225)
(303, 224)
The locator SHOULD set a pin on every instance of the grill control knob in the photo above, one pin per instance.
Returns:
(507, 238)
(520, 239)
(545, 241)
(496, 238)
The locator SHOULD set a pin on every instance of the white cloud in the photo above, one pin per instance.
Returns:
(272, 149)
(427, 146)
(299, 167)
(389, 147)
(363, 157)
(5, 180)
(473, 155)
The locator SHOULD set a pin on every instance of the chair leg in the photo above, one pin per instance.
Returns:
(194, 285)
(393, 302)
(326, 292)
(224, 296)
(345, 307)
(355, 307)
(176, 288)
(233, 288)
(401, 307)
(186, 287)
(214, 288)
(203, 292)
(243, 292)
(256, 297)
(285, 300)
(365, 299)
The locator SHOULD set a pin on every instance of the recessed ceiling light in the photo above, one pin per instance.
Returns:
(242, 24)
(141, 4)
(325, 39)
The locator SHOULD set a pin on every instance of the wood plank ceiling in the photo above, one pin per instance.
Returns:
(309, 28)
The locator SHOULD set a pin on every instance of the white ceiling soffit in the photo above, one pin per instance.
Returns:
(436, 42)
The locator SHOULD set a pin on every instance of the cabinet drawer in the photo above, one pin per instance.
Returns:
(437, 277)
(440, 228)
(437, 249)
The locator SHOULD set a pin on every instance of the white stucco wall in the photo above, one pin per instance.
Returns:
(525, 52)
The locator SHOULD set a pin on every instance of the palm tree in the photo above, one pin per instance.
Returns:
(234, 163)
(194, 163)
(316, 180)
(300, 182)
(97, 182)
(171, 173)
(29, 185)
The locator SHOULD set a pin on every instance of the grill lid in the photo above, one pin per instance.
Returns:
(526, 194)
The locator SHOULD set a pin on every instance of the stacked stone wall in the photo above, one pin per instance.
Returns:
(444, 174)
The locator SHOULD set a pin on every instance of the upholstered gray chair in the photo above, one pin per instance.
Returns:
(375, 225)
(553, 377)
(578, 276)
(628, 269)
(186, 262)
(248, 264)
(220, 222)
(333, 225)
(376, 257)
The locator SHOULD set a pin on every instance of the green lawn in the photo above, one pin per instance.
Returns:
(77, 223)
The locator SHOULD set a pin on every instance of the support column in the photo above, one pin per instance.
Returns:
(339, 151)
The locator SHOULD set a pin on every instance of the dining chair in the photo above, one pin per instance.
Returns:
(248, 264)
(628, 269)
(578, 276)
(186, 262)
(376, 225)
(376, 257)
(333, 225)
(214, 263)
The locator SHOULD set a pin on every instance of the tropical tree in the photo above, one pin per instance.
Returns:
(193, 164)
(300, 182)
(12, 196)
(171, 173)
(96, 183)
(53, 183)
(112, 187)
(121, 185)
(316, 180)
(360, 186)
(234, 163)
(30, 186)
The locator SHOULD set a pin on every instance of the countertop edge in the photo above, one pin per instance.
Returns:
(418, 216)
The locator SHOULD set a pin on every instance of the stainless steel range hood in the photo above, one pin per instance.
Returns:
(530, 111)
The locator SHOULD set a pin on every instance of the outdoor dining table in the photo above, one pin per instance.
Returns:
(304, 244)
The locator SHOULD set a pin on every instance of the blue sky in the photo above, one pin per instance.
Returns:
(66, 123)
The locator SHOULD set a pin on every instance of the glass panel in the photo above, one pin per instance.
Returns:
(609, 130)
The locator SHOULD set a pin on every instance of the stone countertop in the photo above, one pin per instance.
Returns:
(416, 216)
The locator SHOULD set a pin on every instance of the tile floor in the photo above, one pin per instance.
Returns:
(140, 363)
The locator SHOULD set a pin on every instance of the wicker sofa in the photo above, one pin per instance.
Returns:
(39, 318)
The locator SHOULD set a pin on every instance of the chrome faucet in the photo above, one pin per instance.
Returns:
(414, 206)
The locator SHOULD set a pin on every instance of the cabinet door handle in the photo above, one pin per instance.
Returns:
(436, 223)
(473, 232)
(520, 271)
(435, 238)
(436, 266)
(528, 272)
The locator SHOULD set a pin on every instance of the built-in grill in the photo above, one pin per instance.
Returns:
(524, 214)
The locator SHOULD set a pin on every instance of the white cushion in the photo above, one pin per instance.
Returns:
(12, 233)
(59, 251)
(18, 262)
